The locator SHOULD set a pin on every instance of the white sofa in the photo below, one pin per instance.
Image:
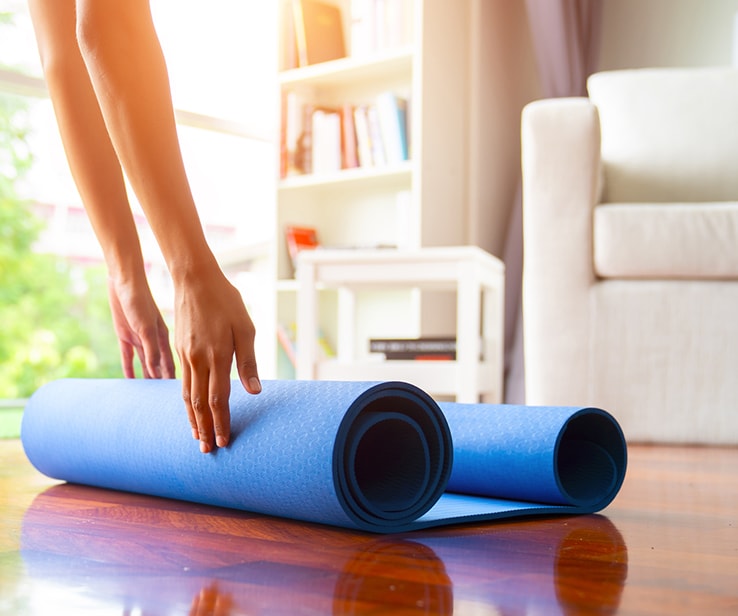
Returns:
(630, 287)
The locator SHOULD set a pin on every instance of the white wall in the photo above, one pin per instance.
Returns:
(504, 78)
(643, 33)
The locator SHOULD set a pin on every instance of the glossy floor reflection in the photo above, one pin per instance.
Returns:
(76, 550)
(121, 553)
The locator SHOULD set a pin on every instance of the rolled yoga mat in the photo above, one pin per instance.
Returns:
(380, 457)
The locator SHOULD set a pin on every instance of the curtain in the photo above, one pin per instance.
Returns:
(566, 38)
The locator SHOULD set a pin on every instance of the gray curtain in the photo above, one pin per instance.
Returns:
(566, 37)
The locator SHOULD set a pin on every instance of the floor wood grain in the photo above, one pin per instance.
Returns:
(668, 544)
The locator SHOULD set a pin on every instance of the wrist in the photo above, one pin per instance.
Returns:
(194, 268)
(125, 267)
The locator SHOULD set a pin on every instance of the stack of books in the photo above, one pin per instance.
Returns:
(428, 348)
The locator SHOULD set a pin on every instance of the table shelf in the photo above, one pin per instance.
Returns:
(476, 276)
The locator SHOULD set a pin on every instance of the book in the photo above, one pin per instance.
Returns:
(391, 111)
(318, 32)
(292, 129)
(286, 337)
(326, 141)
(363, 137)
(427, 348)
(363, 26)
(304, 156)
(299, 238)
(283, 152)
(375, 136)
(380, 25)
(349, 153)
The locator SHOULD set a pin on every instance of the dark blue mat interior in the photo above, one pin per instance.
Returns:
(381, 457)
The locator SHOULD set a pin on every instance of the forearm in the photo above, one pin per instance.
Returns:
(91, 156)
(128, 72)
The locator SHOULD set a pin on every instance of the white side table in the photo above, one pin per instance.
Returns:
(475, 275)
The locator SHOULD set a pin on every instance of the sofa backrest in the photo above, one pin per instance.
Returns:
(668, 134)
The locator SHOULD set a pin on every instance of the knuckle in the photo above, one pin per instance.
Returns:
(217, 403)
(197, 405)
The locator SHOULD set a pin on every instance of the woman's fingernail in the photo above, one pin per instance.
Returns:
(221, 441)
(204, 447)
(254, 384)
(195, 434)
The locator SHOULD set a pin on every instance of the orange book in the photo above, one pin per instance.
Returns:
(300, 238)
(318, 31)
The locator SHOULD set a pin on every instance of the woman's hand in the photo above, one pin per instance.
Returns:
(140, 329)
(211, 326)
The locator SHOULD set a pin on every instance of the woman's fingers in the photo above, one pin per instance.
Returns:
(218, 396)
(206, 390)
(186, 398)
(127, 354)
(243, 343)
(140, 329)
(211, 326)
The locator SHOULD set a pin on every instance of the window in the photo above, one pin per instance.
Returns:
(222, 57)
(222, 67)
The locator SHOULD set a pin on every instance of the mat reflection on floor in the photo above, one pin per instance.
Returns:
(137, 553)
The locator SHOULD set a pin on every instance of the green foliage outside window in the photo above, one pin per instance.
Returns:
(54, 320)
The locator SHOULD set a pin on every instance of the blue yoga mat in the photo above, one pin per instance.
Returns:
(381, 457)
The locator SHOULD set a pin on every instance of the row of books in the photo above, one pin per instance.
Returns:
(324, 139)
(380, 25)
(287, 338)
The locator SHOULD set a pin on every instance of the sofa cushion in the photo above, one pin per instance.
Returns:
(676, 240)
(668, 135)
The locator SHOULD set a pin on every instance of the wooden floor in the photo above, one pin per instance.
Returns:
(668, 544)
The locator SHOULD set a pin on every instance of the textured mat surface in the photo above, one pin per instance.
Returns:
(381, 457)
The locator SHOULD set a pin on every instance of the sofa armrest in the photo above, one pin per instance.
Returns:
(561, 172)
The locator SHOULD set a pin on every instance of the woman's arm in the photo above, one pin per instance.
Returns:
(138, 323)
(126, 67)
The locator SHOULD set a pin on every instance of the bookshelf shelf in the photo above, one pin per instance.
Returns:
(360, 178)
(381, 66)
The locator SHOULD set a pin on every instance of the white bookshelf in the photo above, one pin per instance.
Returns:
(419, 202)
